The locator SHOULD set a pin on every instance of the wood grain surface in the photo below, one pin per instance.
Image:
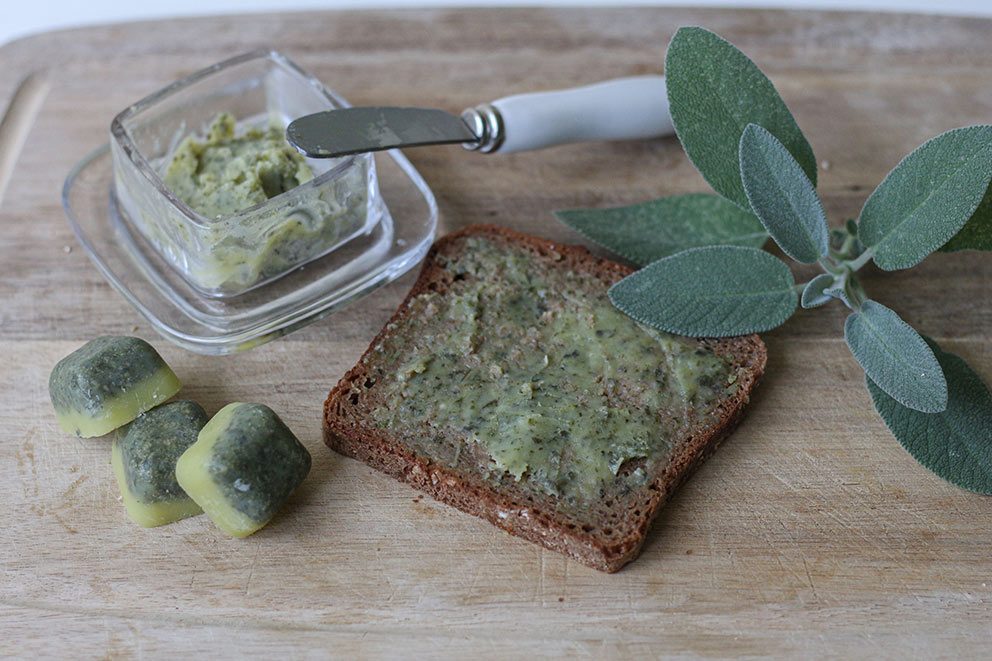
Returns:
(810, 533)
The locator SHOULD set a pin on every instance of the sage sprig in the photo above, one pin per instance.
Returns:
(704, 275)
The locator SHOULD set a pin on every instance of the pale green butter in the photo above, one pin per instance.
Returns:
(225, 174)
(558, 387)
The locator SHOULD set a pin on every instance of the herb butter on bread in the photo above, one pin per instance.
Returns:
(508, 386)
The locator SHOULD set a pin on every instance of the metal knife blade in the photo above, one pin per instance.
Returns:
(346, 131)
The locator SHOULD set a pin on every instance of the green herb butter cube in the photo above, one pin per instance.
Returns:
(243, 467)
(107, 383)
(144, 461)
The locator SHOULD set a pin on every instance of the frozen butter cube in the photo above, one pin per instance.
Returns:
(144, 460)
(106, 383)
(243, 467)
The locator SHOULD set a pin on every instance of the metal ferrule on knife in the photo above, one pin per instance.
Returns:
(486, 123)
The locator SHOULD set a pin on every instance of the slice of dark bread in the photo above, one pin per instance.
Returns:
(373, 415)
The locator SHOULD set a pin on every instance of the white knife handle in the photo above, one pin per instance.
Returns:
(623, 109)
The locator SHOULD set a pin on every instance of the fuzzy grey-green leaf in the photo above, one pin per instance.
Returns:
(977, 232)
(928, 197)
(645, 232)
(956, 444)
(782, 196)
(896, 358)
(716, 291)
(714, 91)
(814, 293)
(840, 293)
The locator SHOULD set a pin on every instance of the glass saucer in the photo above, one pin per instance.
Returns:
(222, 326)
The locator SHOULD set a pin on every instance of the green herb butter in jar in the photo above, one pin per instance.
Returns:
(226, 173)
(203, 174)
(260, 211)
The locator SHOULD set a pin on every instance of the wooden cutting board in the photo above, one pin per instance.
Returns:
(811, 530)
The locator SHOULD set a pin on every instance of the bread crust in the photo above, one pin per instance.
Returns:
(349, 434)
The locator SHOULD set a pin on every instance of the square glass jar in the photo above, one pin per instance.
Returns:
(231, 254)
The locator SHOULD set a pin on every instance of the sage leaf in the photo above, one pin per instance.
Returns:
(714, 91)
(643, 233)
(716, 291)
(840, 293)
(956, 444)
(896, 358)
(847, 289)
(928, 197)
(782, 196)
(977, 232)
(814, 293)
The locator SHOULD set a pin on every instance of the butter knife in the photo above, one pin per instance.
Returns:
(634, 108)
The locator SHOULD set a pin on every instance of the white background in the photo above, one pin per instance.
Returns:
(21, 17)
